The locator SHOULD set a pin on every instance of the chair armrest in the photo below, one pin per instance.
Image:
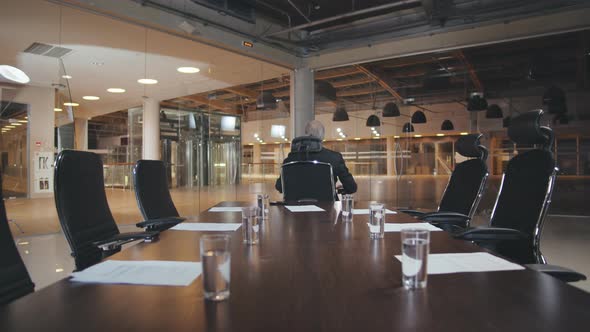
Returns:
(445, 217)
(561, 273)
(120, 239)
(413, 213)
(153, 223)
(491, 234)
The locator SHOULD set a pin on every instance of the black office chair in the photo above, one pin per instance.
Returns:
(153, 197)
(524, 197)
(464, 190)
(307, 180)
(15, 281)
(83, 209)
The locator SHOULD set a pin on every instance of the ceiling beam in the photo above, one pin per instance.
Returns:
(213, 103)
(380, 80)
(351, 82)
(472, 73)
(242, 91)
(333, 73)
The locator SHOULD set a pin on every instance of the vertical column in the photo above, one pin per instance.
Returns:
(302, 100)
(151, 129)
(389, 153)
(81, 132)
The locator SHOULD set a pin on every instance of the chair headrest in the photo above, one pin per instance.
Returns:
(526, 129)
(469, 146)
(306, 144)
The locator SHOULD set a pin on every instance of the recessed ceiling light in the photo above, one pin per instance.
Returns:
(417, 135)
(463, 134)
(26, 117)
(67, 77)
(396, 136)
(357, 138)
(57, 109)
(339, 139)
(91, 98)
(71, 104)
(97, 63)
(440, 135)
(115, 90)
(147, 81)
(188, 70)
(338, 129)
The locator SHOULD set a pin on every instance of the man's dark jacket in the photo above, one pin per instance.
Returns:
(328, 156)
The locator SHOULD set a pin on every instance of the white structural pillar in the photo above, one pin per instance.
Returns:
(81, 134)
(302, 100)
(151, 129)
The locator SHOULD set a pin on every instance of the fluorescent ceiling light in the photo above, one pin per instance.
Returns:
(396, 136)
(23, 121)
(17, 124)
(147, 81)
(10, 126)
(91, 98)
(417, 135)
(440, 135)
(188, 70)
(13, 74)
(57, 109)
(71, 104)
(357, 138)
(67, 77)
(463, 134)
(115, 90)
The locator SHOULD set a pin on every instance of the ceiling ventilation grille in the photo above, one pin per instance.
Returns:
(47, 50)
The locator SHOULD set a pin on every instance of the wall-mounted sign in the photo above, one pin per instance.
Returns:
(43, 172)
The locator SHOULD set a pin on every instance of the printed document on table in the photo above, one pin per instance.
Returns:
(397, 227)
(160, 273)
(226, 209)
(366, 211)
(207, 226)
(466, 262)
(304, 208)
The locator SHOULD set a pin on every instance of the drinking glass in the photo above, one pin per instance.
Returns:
(250, 224)
(377, 221)
(415, 249)
(347, 206)
(216, 261)
(263, 202)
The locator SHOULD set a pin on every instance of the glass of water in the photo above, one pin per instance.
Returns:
(376, 221)
(415, 249)
(347, 206)
(216, 261)
(250, 224)
(263, 202)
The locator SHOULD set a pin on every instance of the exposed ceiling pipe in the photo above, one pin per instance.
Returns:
(402, 3)
(299, 11)
(276, 9)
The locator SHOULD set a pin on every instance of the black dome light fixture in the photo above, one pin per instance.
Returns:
(373, 121)
(477, 102)
(447, 125)
(266, 101)
(494, 112)
(418, 117)
(391, 110)
(340, 115)
(408, 128)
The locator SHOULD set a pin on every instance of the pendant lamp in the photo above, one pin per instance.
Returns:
(418, 117)
(447, 125)
(408, 128)
(373, 121)
(340, 115)
(390, 110)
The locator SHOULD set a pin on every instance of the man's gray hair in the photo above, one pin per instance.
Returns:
(315, 128)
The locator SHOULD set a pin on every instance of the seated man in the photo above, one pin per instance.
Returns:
(315, 128)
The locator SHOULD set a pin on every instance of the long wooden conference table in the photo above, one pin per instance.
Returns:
(310, 272)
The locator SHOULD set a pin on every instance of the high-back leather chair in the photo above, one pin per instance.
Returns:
(83, 210)
(153, 197)
(525, 194)
(14, 278)
(307, 180)
(465, 187)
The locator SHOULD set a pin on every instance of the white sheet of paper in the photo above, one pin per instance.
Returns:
(467, 262)
(207, 226)
(366, 211)
(160, 273)
(397, 227)
(226, 209)
(304, 208)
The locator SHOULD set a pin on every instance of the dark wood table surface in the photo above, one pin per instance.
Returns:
(310, 272)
